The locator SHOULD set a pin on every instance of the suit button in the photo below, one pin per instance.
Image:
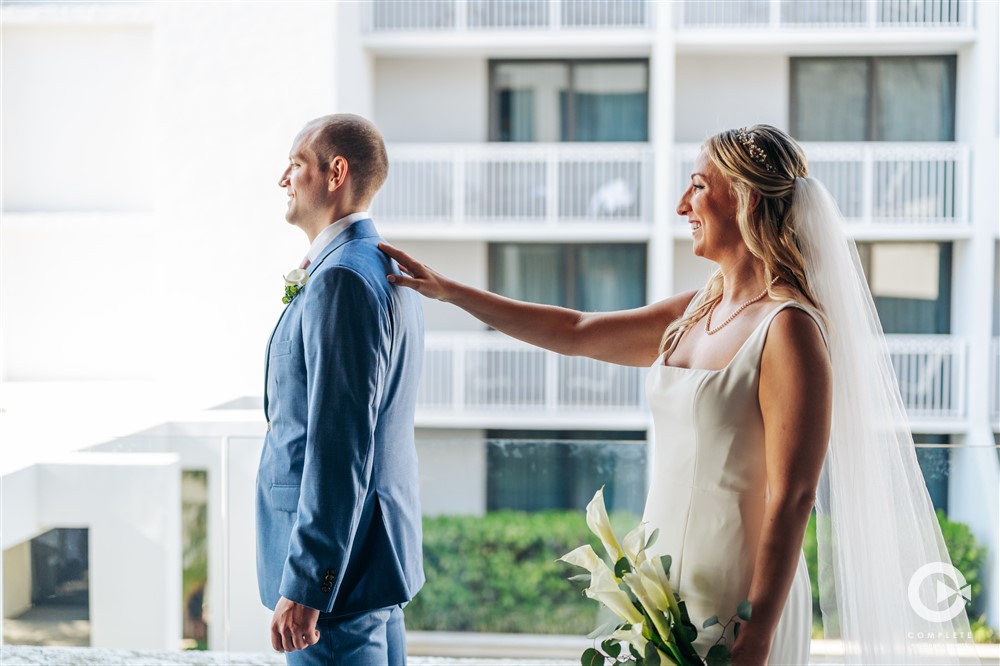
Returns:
(329, 578)
(327, 589)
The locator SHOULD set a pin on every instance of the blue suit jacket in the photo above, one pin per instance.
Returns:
(338, 507)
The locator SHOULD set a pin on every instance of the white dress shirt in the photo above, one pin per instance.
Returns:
(324, 237)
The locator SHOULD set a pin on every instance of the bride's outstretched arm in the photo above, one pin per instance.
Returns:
(626, 337)
(796, 403)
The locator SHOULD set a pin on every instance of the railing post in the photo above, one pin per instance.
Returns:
(551, 381)
(555, 14)
(461, 15)
(552, 185)
(868, 184)
(774, 8)
(962, 186)
(458, 163)
(458, 349)
(872, 7)
(960, 350)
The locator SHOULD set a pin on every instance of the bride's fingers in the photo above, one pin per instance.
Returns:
(402, 281)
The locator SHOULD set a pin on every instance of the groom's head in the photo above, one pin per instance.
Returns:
(337, 162)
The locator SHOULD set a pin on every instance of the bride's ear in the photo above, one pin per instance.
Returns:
(754, 201)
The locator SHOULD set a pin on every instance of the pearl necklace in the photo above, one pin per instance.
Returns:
(746, 304)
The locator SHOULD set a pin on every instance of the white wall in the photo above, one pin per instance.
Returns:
(432, 100)
(77, 118)
(131, 504)
(452, 471)
(718, 92)
(17, 579)
(464, 261)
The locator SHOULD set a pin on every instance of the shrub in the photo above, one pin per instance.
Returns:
(498, 573)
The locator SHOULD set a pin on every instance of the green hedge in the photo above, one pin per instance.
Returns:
(498, 572)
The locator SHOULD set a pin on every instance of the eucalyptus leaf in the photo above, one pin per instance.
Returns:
(622, 567)
(736, 630)
(635, 653)
(652, 538)
(650, 655)
(592, 657)
(744, 610)
(612, 647)
(718, 655)
(666, 561)
(710, 622)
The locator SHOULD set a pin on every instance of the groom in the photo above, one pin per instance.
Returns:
(338, 512)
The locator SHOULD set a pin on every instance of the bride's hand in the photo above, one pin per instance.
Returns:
(416, 276)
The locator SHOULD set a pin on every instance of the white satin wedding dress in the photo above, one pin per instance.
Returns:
(708, 489)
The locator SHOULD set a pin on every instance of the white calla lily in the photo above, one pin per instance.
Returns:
(655, 578)
(600, 525)
(634, 545)
(585, 558)
(297, 277)
(633, 636)
(604, 588)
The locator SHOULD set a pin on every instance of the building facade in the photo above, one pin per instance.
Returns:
(538, 148)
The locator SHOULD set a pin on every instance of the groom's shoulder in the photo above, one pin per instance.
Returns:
(358, 260)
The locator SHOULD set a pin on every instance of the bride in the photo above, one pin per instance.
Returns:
(771, 393)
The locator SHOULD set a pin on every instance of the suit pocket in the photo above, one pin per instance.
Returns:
(285, 497)
(281, 348)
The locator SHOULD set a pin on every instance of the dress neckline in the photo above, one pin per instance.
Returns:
(766, 320)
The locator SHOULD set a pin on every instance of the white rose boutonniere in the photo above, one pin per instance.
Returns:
(294, 282)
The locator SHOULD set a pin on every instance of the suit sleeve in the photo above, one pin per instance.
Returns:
(345, 332)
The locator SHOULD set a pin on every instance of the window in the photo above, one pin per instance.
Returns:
(538, 470)
(873, 99)
(910, 284)
(591, 278)
(552, 101)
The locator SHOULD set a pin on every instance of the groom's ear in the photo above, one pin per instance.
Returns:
(337, 174)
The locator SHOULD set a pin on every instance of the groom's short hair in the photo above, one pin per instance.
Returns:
(357, 140)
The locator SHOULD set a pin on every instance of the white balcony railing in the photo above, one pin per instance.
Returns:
(489, 372)
(885, 184)
(881, 14)
(496, 183)
(480, 15)
(931, 370)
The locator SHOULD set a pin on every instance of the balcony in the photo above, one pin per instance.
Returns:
(791, 14)
(517, 190)
(489, 380)
(886, 190)
(485, 15)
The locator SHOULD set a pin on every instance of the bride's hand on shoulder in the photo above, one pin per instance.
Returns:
(416, 275)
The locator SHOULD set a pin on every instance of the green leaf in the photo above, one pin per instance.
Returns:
(710, 622)
(650, 655)
(718, 655)
(744, 610)
(622, 567)
(652, 538)
(666, 561)
(635, 653)
(592, 657)
(611, 647)
(736, 630)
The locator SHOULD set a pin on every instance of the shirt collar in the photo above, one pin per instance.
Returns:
(328, 234)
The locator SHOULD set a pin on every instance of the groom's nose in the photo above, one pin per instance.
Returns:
(283, 181)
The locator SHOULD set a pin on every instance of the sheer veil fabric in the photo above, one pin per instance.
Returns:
(876, 526)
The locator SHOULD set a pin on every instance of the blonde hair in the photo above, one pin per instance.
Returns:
(765, 161)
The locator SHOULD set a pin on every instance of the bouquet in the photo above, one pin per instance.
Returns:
(653, 621)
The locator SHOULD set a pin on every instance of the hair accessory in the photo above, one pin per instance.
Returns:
(757, 153)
